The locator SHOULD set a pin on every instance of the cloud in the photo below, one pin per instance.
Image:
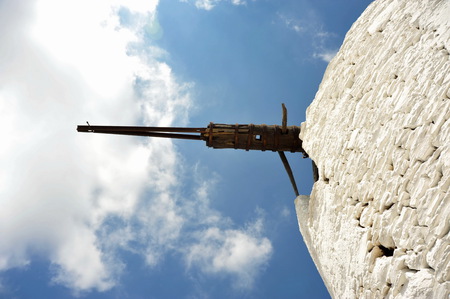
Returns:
(210, 4)
(322, 41)
(285, 212)
(239, 253)
(64, 63)
(78, 199)
(312, 29)
(292, 23)
(326, 55)
(215, 247)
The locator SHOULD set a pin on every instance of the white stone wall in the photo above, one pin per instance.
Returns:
(377, 222)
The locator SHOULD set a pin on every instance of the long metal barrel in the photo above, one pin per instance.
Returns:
(163, 132)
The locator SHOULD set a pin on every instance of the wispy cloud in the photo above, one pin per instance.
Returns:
(210, 4)
(292, 23)
(75, 198)
(312, 30)
(322, 41)
(325, 55)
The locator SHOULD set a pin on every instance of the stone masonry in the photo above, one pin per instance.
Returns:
(377, 221)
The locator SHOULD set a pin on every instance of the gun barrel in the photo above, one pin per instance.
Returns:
(162, 132)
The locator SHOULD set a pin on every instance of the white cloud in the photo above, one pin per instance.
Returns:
(239, 253)
(322, 40)
(312, 29)
(206, 4)
(210, 4)
(80, 252)
(285, 212)
(292, 23)
(64, 63)
(77, 198)
(326, 55)
(214, 247)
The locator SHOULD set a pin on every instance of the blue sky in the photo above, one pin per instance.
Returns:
(95, 216)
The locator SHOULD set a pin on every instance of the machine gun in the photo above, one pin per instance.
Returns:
(238, 136)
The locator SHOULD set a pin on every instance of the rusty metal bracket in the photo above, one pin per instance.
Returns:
(264, 137)
(282, 155)
(251, 127)
(289, 171)
(210, 137)
(236, 135)
(284, 119)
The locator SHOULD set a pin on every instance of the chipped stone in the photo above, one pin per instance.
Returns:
(380, 127)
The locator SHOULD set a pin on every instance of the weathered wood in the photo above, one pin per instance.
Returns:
(253, 137)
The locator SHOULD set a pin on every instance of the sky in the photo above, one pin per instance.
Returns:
(102, 216)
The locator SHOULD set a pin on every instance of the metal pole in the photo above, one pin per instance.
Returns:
(143, 131)
(284, 119)
(90, 128)
(289, 171)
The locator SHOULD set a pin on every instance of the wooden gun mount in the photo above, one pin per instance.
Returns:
(248, 137)
(253, 137)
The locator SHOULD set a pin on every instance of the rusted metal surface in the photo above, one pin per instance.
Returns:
(95, 129)
(236, 139)
(163, 132)
(238, 136)
(210, 137)
(253, 137)
(289, 172)
(284, 119)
